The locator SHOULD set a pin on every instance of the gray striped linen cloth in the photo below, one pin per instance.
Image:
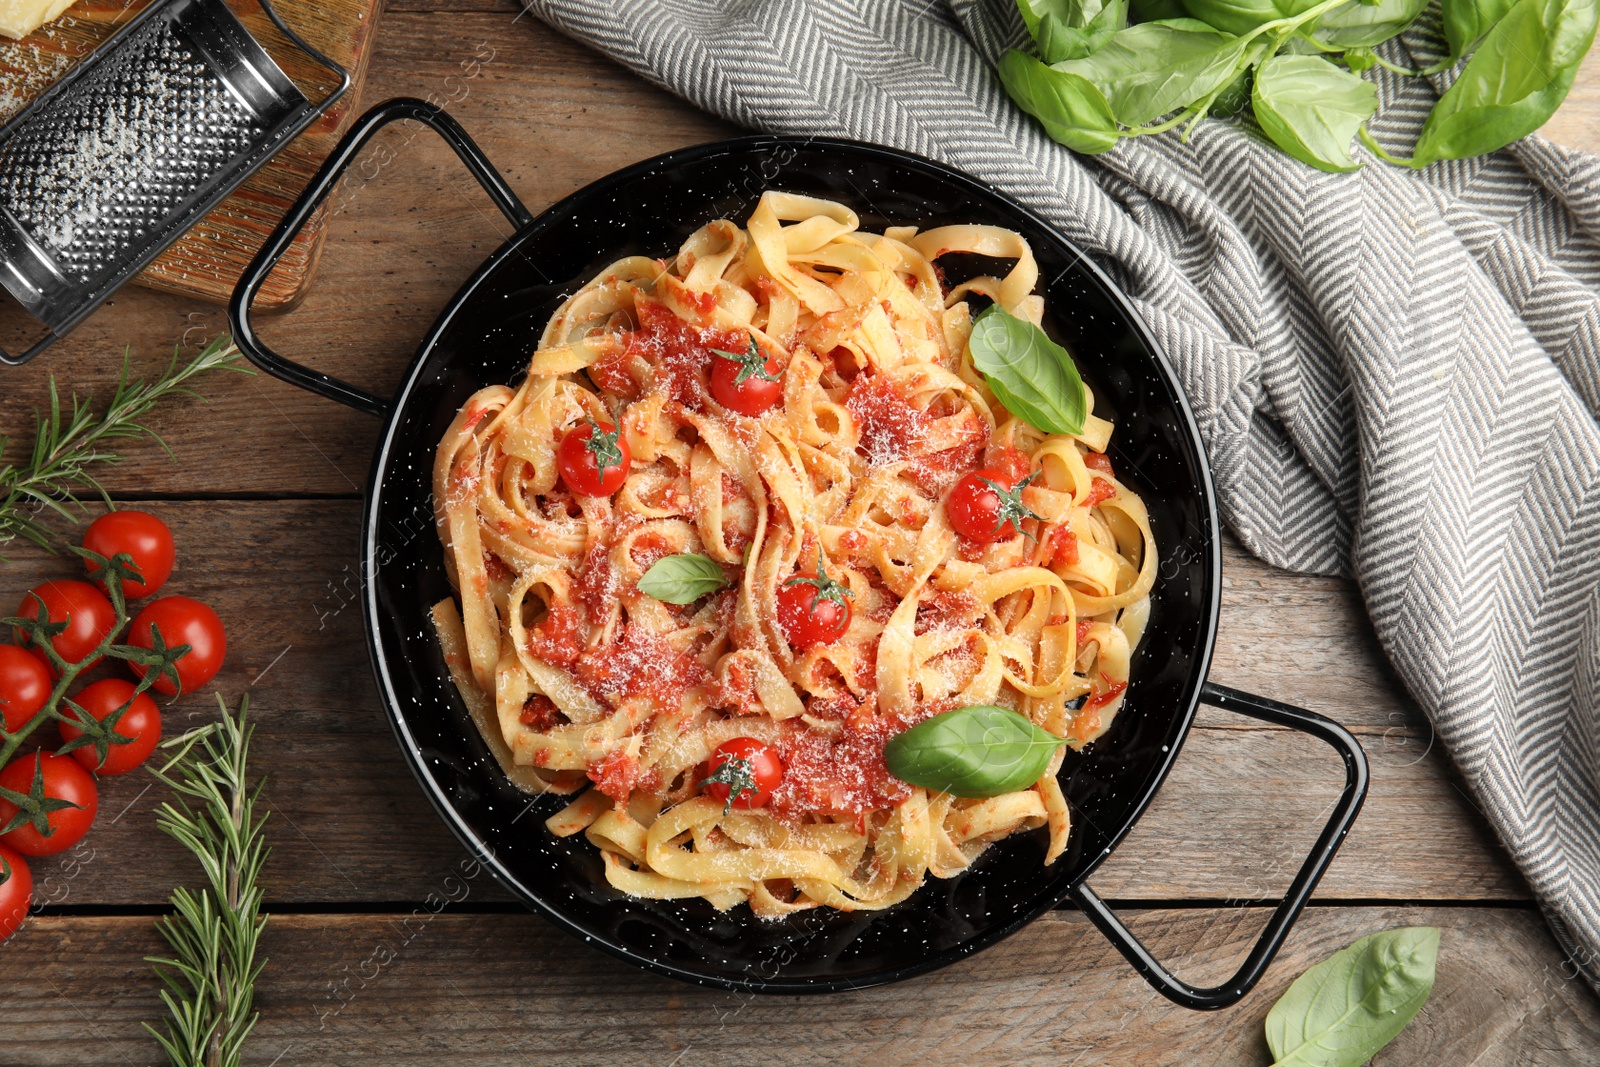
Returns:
(1397, 374)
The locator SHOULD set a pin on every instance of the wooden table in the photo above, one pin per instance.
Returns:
(382, 952)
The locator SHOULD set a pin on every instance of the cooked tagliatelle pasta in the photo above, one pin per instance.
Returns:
(870, 413)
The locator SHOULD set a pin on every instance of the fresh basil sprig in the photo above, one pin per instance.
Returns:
(1343, 1010)
(1096, 81)
(682, 578)
(1033, 376)
(980, 751)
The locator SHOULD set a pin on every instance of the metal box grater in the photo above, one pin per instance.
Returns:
(117, 160)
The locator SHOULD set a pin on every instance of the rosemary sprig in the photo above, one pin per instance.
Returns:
(210, 977)
(67, 444)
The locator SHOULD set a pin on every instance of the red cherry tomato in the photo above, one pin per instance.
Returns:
(24, 685)
(594, 459)
(749, 382)
(141, 722)
(16, 891)
(86, 611)
(747, 769)
(64, 780)
(985, 506)
(141, 536)
(814, 609)
(182, 622)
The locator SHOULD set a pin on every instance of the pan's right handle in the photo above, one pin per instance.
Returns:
(1345, 809)
(327, 176)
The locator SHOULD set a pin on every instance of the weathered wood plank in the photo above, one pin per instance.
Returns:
(498, 989)
(351, 825)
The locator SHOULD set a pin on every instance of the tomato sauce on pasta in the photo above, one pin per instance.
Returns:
(585, 685)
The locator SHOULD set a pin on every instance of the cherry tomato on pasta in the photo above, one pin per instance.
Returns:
(16, 891)
(594, 459)
(181, 621)
(63, 780)
(141, 723)
(984, 506)
(86, 611)
(1097, 461)
(24, 685)
(140, 535)
(742, 773)
(814, 609)
(749, 382)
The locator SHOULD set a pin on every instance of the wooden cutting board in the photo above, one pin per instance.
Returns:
(207, 261)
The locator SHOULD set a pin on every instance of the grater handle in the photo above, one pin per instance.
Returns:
(255, 275)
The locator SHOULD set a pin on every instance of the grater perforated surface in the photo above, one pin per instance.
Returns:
(100, 170)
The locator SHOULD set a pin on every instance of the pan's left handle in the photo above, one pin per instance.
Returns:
(327, 176)
(1345, 809)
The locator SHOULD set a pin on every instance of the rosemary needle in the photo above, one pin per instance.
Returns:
(67, 444)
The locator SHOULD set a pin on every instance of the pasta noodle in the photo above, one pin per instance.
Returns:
(584, 685)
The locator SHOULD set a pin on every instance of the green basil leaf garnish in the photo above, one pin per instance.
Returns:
(1033, 376)
(1311, 109)
(980, 751)
(1513, 82)
(1343, 1010)
(683, 578)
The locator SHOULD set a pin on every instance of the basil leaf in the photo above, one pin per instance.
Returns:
(1466, 22)
(1149, 70)
(1071, 108)
(1235, 96)
(1071, 29)
(1343, 1010)
(1311, 109)
(1242, 16)
(978, 751)
(682, 579)
(1033, 376)
(1513, 82)
(1359, 25)
(1067, 12)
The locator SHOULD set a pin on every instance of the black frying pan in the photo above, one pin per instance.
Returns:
(485, 336)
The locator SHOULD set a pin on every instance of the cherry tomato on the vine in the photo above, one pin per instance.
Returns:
(24, 685)
(814, 609)
(69, 797)
(594, 459)
(742, 773)
(143, 537)
(86, 611)
(984, 506)
(749, 382)
(181, 621)
(141, 724)
(16, 891)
